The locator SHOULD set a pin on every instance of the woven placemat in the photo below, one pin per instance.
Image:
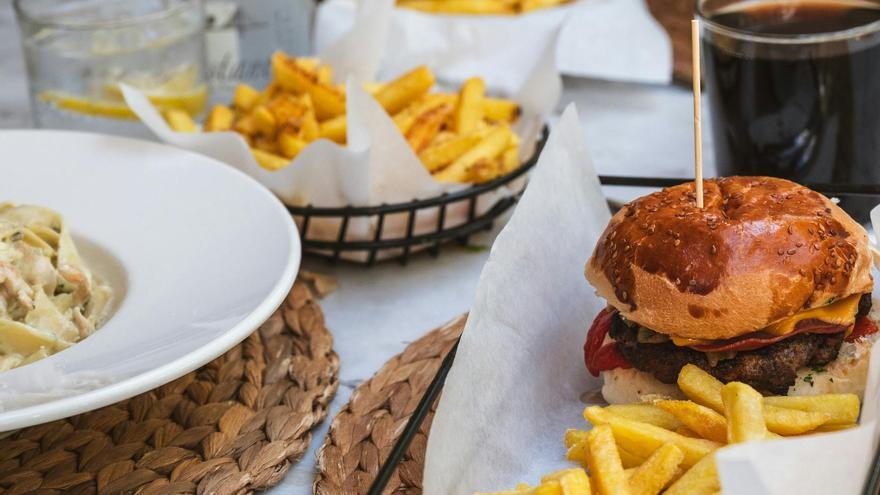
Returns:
(675, 17)
(233, 426)
(366, 429)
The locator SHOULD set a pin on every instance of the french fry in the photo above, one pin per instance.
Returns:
(397, 94)
(701, 387)
(579, 450)
(469, 109)
(245, 126)
(657, 471)
(629, 459)
(269, 161)
(500, 110)
(179, 120)
(264, 121)
(290, 145)
(405, 118)
(482, 171)
(642, 439)
(426, 127)
(792, 421)
(704, 389)
(266, 143)
(842, 408)
(334, 129)
(372, 87)
(245, 97)
(530, 5)
(440, 155)
(573, 437)
(510, 156)
(488, 149)
(645, 413)
(605, 466)
(687, 432)
(329, 101)
(459, 6)
(580, 453)
(219, 119)
(743, 408)
(325, 74)
(701, 479)
(572, 481)
(288, 110)
(700, 419)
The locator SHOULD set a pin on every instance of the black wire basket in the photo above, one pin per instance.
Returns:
(339, 242)
(432, 393)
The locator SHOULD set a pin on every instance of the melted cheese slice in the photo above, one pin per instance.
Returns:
(842, 312)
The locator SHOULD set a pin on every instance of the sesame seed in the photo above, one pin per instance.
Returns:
(713, 249)
(780, 251)
(624, 296)
(790, 230)
(791, 251)
(833, 280)
(692, 282)
(802, 272)
(816, 246)
(677, 281)
(799, 244)
(677, 242)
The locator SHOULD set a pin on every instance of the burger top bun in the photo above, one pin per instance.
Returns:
(761, 250)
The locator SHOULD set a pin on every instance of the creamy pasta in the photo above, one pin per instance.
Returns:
(49, 300)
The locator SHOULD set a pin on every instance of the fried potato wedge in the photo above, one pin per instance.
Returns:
(744, 410)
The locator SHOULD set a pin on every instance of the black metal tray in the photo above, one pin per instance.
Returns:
(402, 247)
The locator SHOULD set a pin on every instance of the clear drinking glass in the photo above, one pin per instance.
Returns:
(78, 51)
(794, 90)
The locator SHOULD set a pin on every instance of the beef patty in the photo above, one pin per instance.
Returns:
(772, 368)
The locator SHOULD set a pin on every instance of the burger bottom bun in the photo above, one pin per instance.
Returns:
(848, 374)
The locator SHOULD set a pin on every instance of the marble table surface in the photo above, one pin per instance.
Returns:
(631, 130)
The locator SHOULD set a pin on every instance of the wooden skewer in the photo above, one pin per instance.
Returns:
(698, 134)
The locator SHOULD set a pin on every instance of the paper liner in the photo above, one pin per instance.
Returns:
(377, 166)
(518, 378)
(606, 39)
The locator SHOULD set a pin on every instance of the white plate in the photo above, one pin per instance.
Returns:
(199, 253)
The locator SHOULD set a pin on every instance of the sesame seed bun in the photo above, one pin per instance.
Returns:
(762, 249)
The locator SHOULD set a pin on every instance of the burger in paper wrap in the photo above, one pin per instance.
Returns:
(769, 284)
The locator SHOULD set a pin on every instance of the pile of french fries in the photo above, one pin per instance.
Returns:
(668, 446)
(460, 137)
(496, 7)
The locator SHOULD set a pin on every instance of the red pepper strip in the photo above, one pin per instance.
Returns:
(757, 340)
(599, 357)
(863, 327)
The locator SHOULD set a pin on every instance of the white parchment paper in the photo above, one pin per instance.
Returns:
(377, 165)
(518, 377)
(607, 39)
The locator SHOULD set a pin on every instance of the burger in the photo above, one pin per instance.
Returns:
(768, 284)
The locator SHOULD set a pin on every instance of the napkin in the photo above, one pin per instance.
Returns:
(377, 166)
(606, 39)
(518, 378)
